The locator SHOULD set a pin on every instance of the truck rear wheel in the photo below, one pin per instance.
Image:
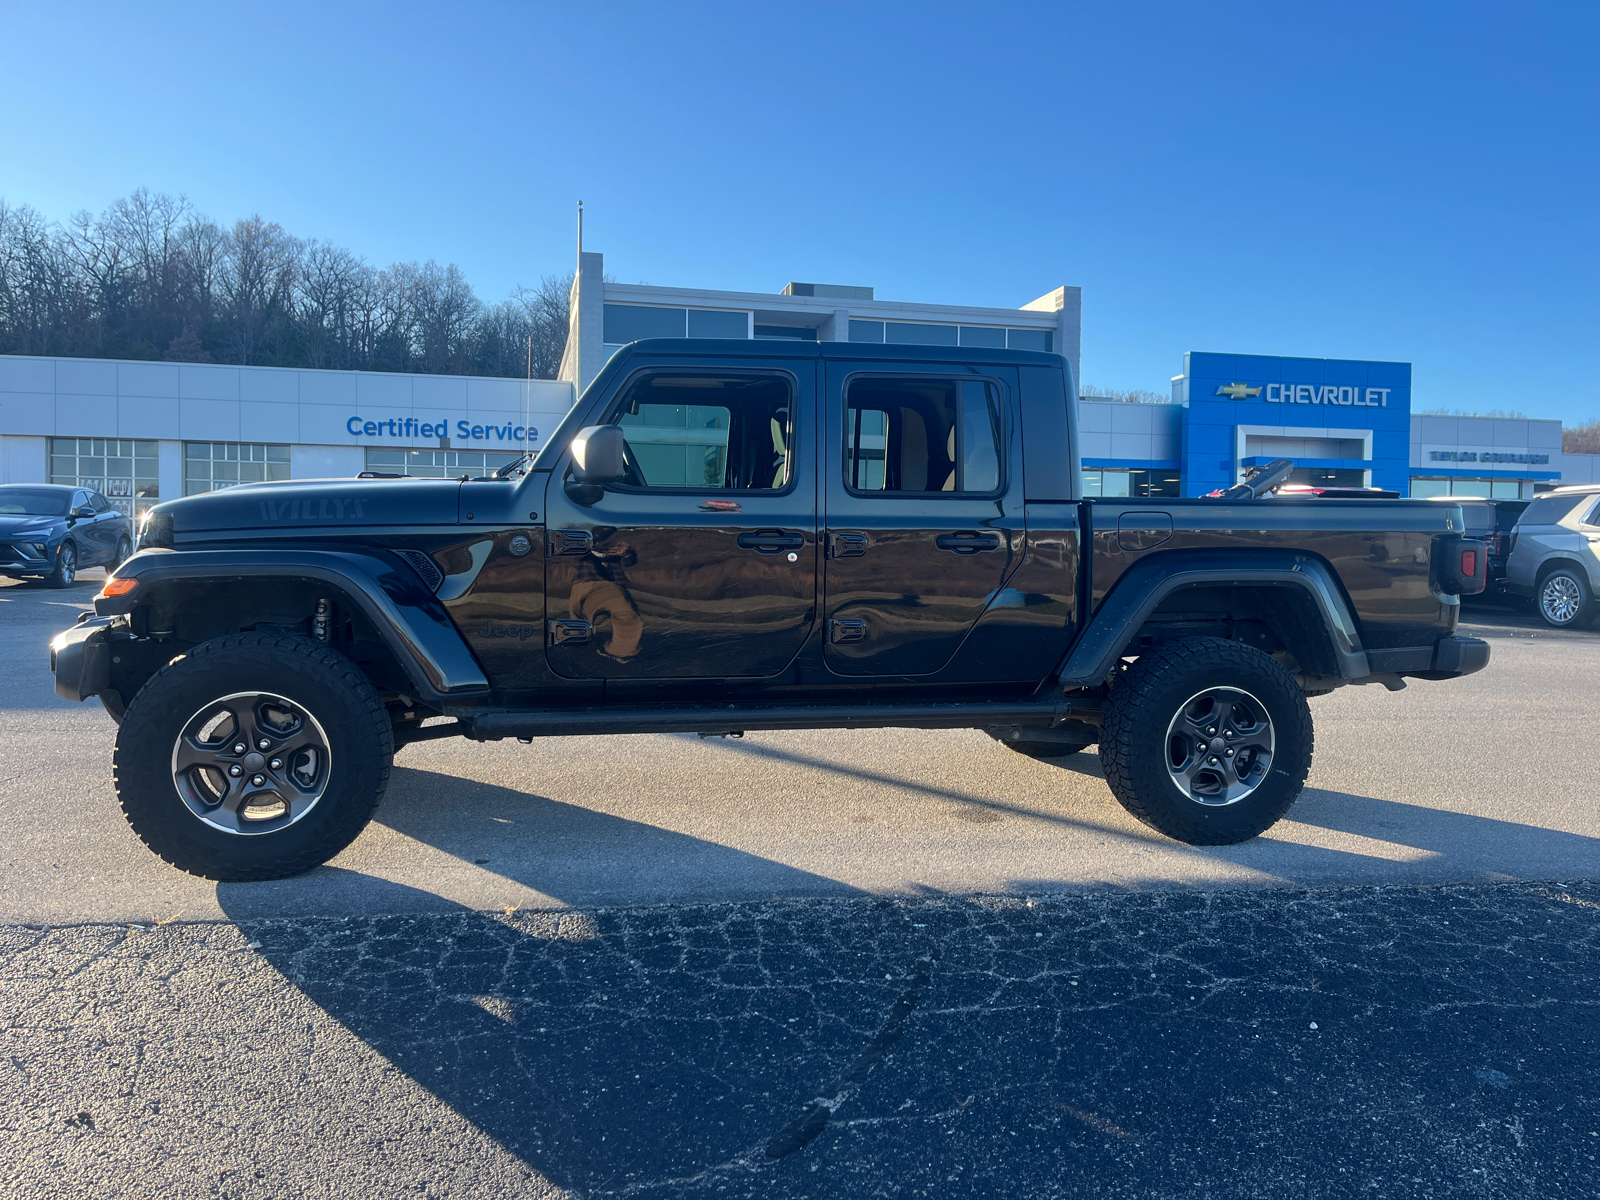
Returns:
(253, 757)
(1206, 740)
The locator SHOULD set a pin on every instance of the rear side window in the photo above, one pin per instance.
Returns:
(733, 432)
(923, 435)
(1550, 510)
(1593, 517)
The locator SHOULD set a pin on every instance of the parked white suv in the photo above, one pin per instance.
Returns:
(1555, 555)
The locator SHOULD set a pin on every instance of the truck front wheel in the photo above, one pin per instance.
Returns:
(1207, 740)
(253, 757)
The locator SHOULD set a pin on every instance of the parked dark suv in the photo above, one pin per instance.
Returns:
(1491, 522)
(51, 531)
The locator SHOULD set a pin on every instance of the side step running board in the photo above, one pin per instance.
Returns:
(492, 726)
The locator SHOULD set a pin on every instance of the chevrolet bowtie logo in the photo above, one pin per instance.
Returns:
(1238, 391)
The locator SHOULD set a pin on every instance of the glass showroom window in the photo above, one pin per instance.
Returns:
(624, 323)
(1135, 484)
(1483, 489)
(437, 464)
(121, 469)
(913, 333)
(208, 466)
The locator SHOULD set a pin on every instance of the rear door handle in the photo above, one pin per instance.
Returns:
(847, 545)
(770, 541)
(967, 541)
(842, 630)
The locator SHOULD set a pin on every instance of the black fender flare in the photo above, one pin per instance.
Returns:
(1147, 583)
(409, 618)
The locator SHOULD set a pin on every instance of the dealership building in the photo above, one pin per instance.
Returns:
(142, 431)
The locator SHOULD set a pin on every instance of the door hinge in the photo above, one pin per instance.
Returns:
(847, 545)
(570, 541)
(575, 633)
(842, 630)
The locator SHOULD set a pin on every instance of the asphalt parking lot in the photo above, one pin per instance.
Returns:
(877, 963)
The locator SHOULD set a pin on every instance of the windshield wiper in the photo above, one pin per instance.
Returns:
(505, 471)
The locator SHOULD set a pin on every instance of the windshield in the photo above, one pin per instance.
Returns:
(18, 503)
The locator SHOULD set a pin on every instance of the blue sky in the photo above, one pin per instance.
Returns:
(1412, 182)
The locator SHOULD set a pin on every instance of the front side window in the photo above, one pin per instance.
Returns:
(922, 435)
(729, 432)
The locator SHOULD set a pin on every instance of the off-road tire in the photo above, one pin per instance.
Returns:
(1562, 591)
(65, 572)
(319, 680)
(1133, 738)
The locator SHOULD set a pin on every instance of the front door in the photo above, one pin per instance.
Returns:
(703, 562)
(924, 516)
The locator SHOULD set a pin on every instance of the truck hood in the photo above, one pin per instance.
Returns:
(321, 504)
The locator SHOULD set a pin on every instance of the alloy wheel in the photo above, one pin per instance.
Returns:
(68, 566)
(251, 763)
(1219, 746)
(1560, 599)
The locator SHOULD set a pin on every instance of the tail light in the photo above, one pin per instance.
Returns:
(1458, 565)
(1491, 542)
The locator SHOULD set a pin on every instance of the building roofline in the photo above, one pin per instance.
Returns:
(828, 305)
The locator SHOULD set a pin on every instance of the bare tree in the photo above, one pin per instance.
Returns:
(1090, 391)
(1582, 439)
(151, 278)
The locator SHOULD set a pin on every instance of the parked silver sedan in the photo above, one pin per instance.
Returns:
(1555, 555)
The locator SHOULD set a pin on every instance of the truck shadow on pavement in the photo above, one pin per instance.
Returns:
(1386, 841)
(687, 1049)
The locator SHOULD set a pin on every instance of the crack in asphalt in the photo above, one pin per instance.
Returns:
(814, 1119)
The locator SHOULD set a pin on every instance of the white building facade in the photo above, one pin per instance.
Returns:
(605, 316)
(141, 432)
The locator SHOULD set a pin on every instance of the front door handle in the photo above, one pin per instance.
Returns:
(847, 545)
(968, 541)
(770, 541)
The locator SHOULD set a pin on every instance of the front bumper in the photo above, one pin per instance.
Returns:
(14, 562)
(80, 659)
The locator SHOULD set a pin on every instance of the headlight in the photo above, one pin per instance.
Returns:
(155, 529)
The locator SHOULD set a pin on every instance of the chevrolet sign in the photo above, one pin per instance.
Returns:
(1238, 391)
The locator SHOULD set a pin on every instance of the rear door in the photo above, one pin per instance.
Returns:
(703, 563)
(924, 517)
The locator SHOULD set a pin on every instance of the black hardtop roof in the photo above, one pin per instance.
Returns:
(878, 351)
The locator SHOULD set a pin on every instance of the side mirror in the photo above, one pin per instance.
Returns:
(597, 454)
(82, 512)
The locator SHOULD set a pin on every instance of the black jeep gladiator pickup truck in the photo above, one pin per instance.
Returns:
(729, 536)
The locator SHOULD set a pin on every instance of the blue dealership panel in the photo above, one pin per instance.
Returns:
(1293, 398)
